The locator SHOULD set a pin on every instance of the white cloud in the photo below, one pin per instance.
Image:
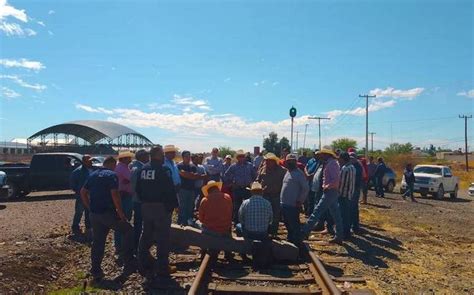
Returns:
(22, 63)
(391, 92)
(469, 93)
(275, 83)
(8, 14)
(189, 103)
(9, 93)
(51, 12)
(227, 80)
(19, 81)
(41, 23)
(90, 109)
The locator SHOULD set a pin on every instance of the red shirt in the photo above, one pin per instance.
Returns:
(215, 212)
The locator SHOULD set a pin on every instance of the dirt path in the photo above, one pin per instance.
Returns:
(404, 247)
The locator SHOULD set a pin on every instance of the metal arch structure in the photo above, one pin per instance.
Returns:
(92, 133)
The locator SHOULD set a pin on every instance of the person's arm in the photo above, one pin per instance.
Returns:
(229, 174)
(271, 214)
(253, 172)
(73, 181)
(202, 211)
(241, 214)
(118, 204)
(304, 188)
(85, 197)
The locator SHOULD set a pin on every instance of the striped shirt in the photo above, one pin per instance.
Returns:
(347, 181)
(256, 214)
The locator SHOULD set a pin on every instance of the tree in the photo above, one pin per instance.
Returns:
(225, 150)
(309, 152)
(272, 145)
(344, 143)
(397, 148)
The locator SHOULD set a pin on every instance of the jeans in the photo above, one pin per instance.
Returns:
(354, 210)
(327, 203)
(137, 223)
(101, 225)
(409, 191)
(379, 190)
(275, 202)
(241, 232)
(79, 209)
(127, 207)
(156, 228)
(186, 205)
(291, 218)
(344, 205)
(365, 190)
(238, 196)
(311, 201)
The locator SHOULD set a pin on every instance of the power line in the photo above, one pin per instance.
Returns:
(465, 139)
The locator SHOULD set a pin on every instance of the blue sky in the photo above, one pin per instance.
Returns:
(206, 73)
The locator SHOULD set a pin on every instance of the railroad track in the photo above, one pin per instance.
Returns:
(310, 276)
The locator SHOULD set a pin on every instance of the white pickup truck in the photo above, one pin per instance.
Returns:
(436, 180)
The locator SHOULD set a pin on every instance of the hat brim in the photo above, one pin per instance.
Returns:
(327, 152)
(205, 189)
(125, 155)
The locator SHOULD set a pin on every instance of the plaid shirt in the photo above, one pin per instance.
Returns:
(240, 174)
(256, 214)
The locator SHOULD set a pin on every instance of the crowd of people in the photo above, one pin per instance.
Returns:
(137, 195)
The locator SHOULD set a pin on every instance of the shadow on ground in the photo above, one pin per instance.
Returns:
(372, 247)
(42, 198)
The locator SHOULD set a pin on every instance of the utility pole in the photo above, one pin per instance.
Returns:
(297, 135)
(465, 139)
(304, 138)
(319, 126)
(367, 122)
(372, 141)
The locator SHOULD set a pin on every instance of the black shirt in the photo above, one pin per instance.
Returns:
(186, 183)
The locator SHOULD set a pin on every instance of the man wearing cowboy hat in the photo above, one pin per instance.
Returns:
(240, 175)
(170, 153)
(215, 210)
(330, 198)
(125, 190)
(255, 215)
(271, 177)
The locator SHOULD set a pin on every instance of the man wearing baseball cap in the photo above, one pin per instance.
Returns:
(293, 194)
(186, 194)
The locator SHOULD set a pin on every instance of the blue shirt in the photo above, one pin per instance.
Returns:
(213, 165)
(174, 171)
(240, 174)
(99, 184)
(312, 165)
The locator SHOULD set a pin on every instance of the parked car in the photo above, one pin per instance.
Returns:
(436, 180)
(3, 185)
(471, 190)
(389, 180)
(47, 171)
(97, 161)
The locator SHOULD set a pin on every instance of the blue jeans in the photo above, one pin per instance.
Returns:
(238, 196)
(327, 203)
(409, 191)
(137, 223)
(354, 210)
(379, 191)
(291, 218)
(344, 205)
(79, 209)
(186, 205)
(241, 232)
(310, 202)
(127, 207)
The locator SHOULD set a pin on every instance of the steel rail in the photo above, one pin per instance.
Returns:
(320, 274)
(203, 269)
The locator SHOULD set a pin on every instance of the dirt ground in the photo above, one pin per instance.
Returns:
(404, 248)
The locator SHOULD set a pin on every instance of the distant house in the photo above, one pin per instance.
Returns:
(456, 156)
(14, 148)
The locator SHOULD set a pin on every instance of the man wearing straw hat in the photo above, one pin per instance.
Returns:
(125, 190)
(170, 153)
(330, 198)
(271, 177)
(240, 175)
(255, 215)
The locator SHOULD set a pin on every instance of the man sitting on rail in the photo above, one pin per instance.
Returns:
(215, 211)
(255, 215)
